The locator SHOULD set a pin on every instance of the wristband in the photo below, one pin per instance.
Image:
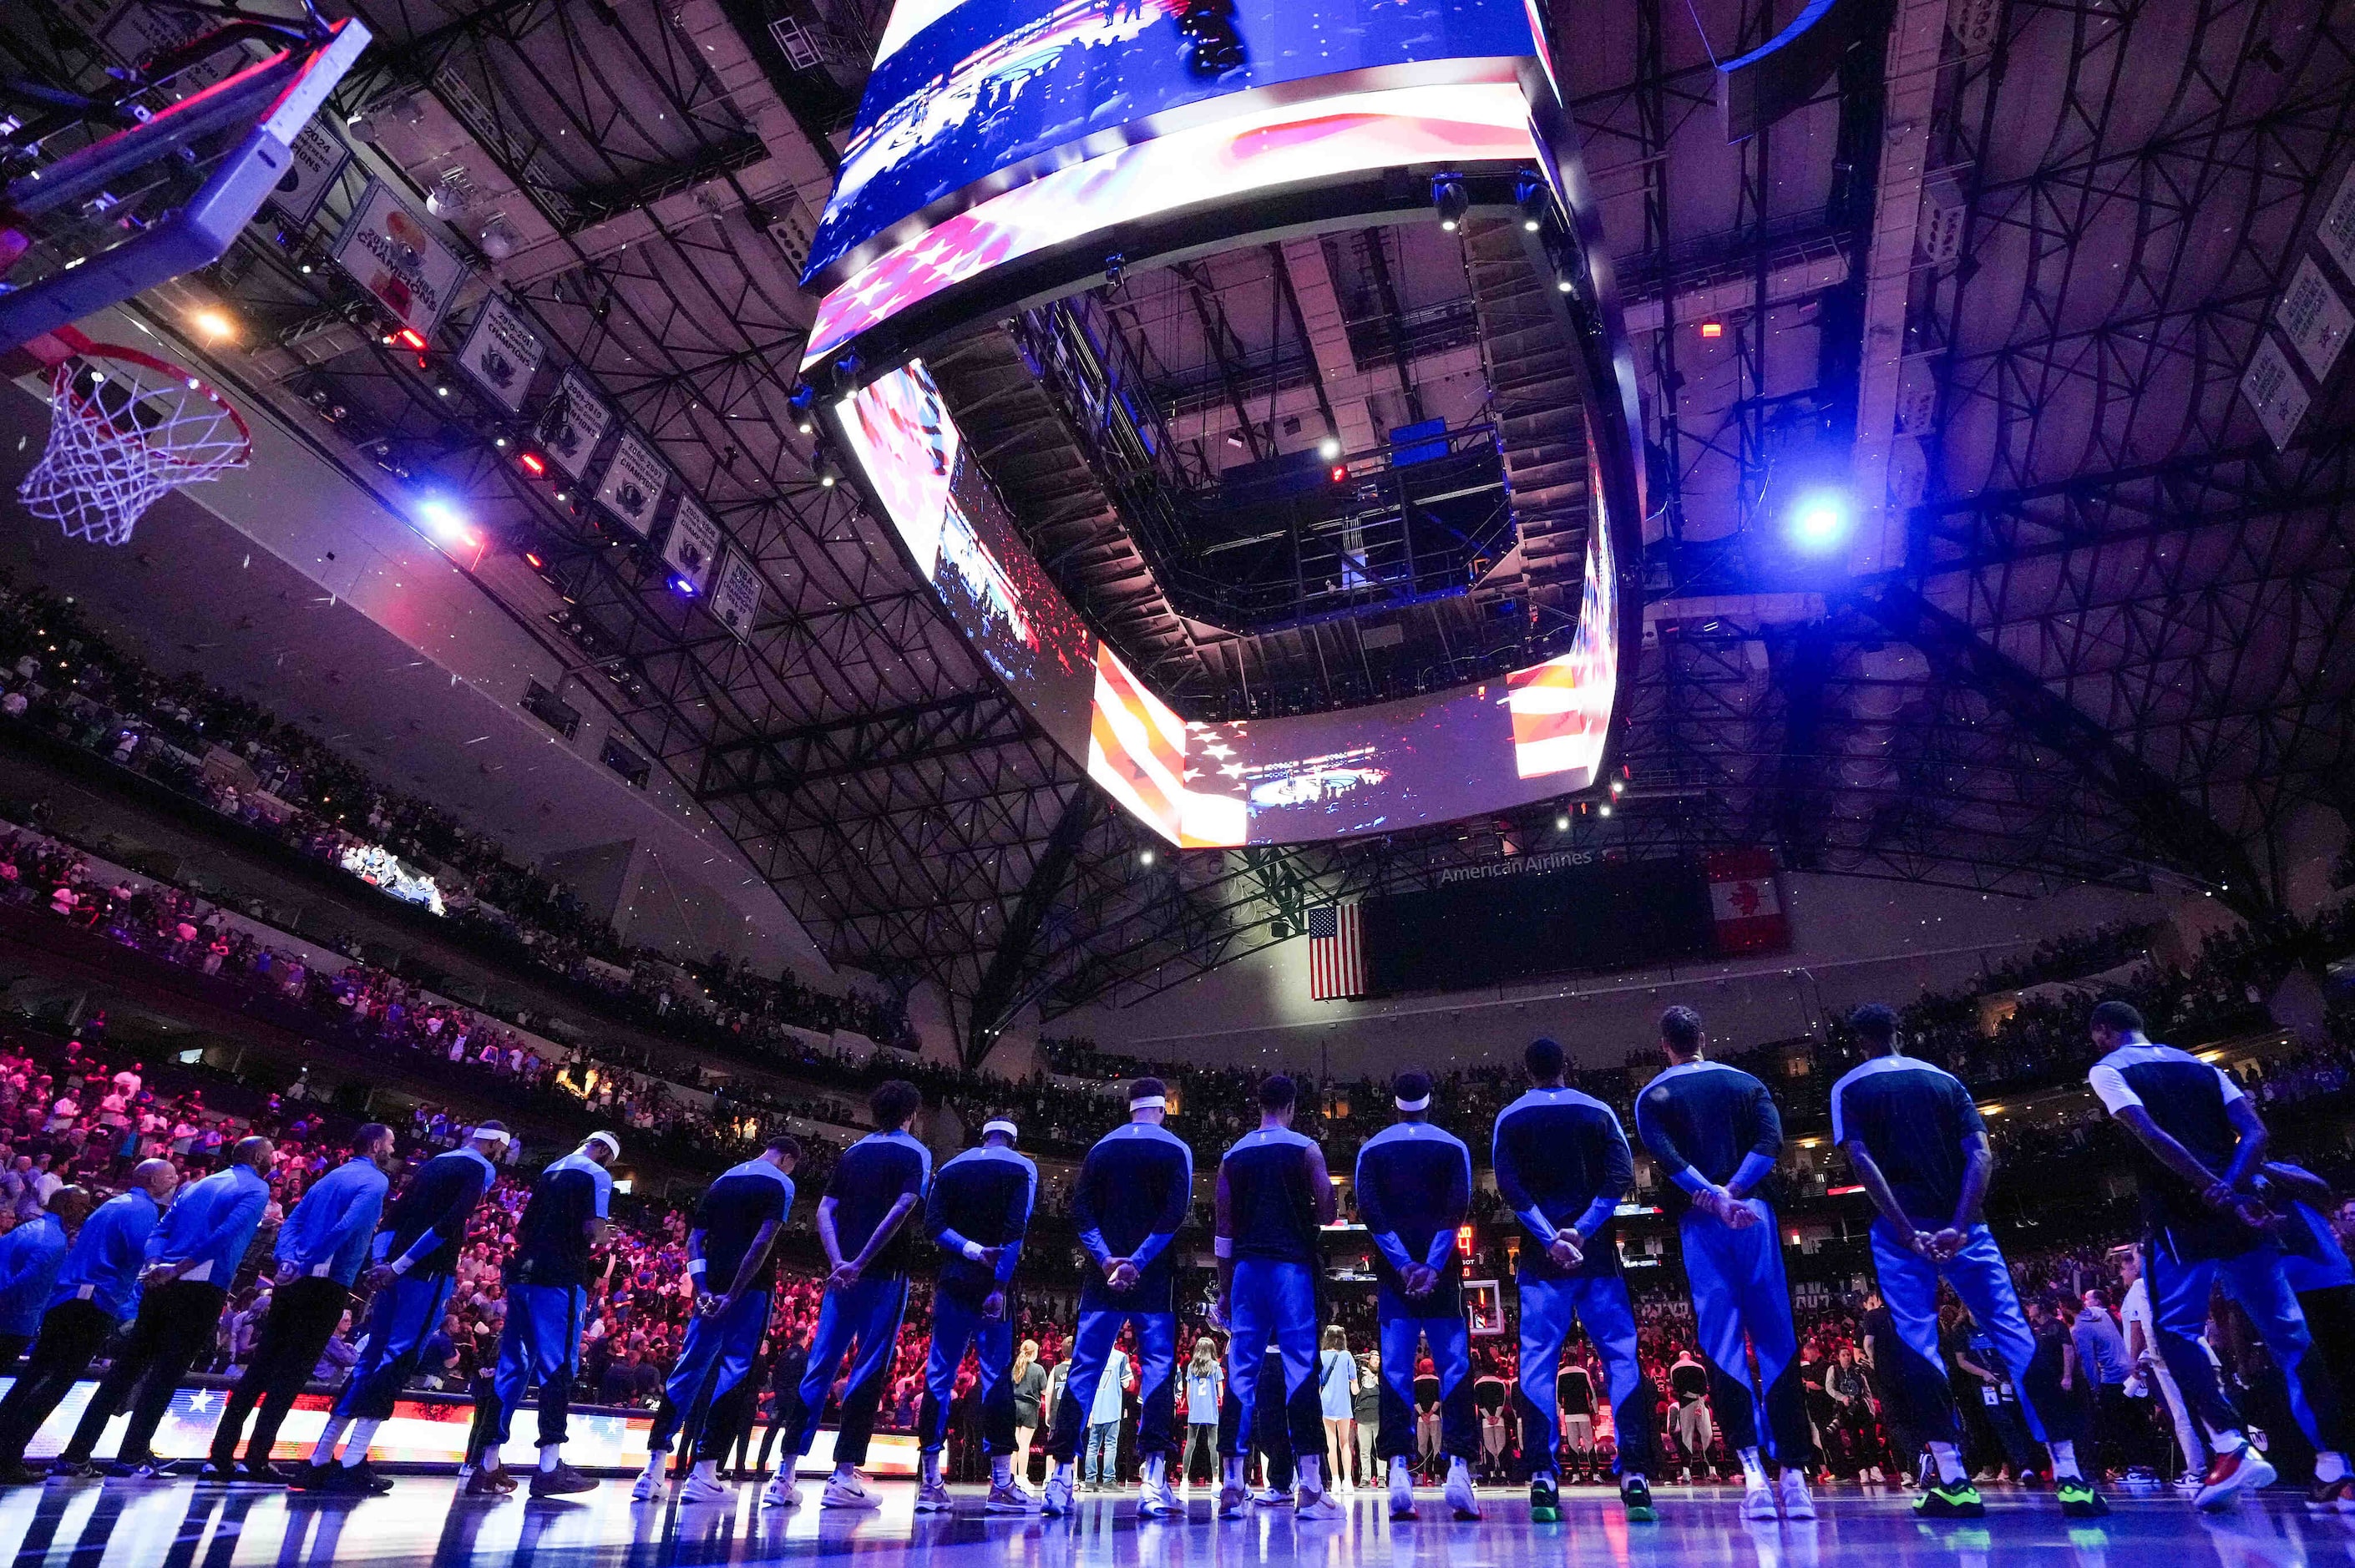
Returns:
(1224, 1246)
(695, 1266)
(972, 1251)
(399, 1265)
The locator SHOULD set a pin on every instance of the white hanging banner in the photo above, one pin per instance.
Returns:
(635, 478)
(2274, 390)
(317, 159)
(502, 352)
(693, 547)
(394, 255)
(738, 600)
(2315, 319)
(573, 423)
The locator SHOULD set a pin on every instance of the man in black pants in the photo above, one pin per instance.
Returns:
(92, 1296)
(320, 1249)
(193, 1253)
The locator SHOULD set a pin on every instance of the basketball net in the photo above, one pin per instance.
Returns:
(125, 427)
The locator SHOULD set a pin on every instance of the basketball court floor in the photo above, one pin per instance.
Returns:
(119, 1524)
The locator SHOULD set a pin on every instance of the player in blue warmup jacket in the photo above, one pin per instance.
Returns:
(1273, 1197)
(1414, 1187)
(1562, 1166)
(2201, 1145)
(862, 1224)
(1918, 1147)
(977, 1211)
(731, 1266)
(1132, 1194)
(547, 1278)
(1715, 1133)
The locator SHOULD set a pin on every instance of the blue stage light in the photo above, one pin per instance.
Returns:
(1820, 522)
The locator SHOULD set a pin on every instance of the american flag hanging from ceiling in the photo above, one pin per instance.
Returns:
(1336, 952)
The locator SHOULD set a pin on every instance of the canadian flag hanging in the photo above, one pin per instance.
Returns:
(1745, 903)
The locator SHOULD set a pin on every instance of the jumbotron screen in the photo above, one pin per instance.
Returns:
(1536, 733)
(969, 98)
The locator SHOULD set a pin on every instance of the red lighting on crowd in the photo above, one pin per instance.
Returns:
(533, 464)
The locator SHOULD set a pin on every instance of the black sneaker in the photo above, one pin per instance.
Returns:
(219, 1472)
(140, 1467)
(1949, 1499)
(303, 1476)
(562, 1481)
(65, 1469)
(262, 1473)
(1635, 1494)
(1545, 1501)
(19, 1475)
(358, 1480)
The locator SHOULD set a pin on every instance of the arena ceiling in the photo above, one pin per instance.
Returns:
(2101, 631)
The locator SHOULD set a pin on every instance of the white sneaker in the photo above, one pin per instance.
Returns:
(649, 1486)
(699, 1489)
(780, 1492)
(1058, 1494)
(1459, 1495)
(1402, 1494)
(1009, 1497)
(1158, 1502)
(1758, 1500)
(1318, 1508)
(2229, 1474)
(1796, 1502)
(841, 1493)
(1268, 1497)
(932, 1498)
(1232, 1497)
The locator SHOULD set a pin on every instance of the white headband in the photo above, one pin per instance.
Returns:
(1150, 1102)
(998, 1124)
(1422, 1104)
(612, 1145)
(489, 1135)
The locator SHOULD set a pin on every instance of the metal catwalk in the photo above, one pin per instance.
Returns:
(120, 1524)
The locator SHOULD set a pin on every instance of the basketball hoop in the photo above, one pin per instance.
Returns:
(125, 427)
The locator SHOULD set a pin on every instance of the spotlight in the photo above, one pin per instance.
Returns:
(1447, 194)
(1145, 857)
(1561, 824)
(1603, 809)
(827, 476)
(535, 560)
(1617, 786)
(1712, 329)
(1564, 286)
(534, 465)
(1329, 448)
(445, 522)
(215, 325)
(800, 399)
(683, 585)
(1535, 202)
(1820, 522)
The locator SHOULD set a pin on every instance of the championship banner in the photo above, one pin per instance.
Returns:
(502, 352)
(692, 547)
(737, 602)
(393, 254)
(318, 157)
(635, 478)
(573, 423)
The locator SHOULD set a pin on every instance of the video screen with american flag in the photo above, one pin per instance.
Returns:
(1536, 733)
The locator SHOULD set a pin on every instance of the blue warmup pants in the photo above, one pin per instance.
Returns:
(541, 1343)
(1156, 1381)
(712, 1361)
(1272, 1301)
(862, 1322)
(2179, 1306)
(1741, 1299)
(401, 1319)
(1600, 1306)
(955, 1326)
(1923, 1396)
(1451, 1358)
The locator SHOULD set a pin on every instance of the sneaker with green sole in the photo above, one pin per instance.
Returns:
(1950, 1500)
(2078, 1498)
(1545, 1502)
(1636, 1495)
